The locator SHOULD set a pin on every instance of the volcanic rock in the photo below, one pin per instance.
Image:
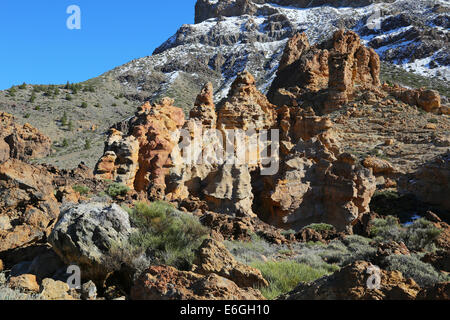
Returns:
(168, 283)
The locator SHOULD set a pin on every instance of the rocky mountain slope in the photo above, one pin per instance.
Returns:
(230, 37)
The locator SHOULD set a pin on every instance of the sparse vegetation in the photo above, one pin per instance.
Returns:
(419, 235)
(117, 189)
(320, 227)
(284, 276)
(411, 267)
(82, 190)
(171, 236)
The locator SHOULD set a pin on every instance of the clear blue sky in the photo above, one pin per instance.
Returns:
(37, 47)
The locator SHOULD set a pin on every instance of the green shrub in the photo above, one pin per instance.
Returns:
(320, 227)
(32, 98)
(87, 144)
(37, 108)
(27, 115)
(284, 276)
(171, 236)
(65, 143)
(433, 120)
(411, 267)
(420, 235)
(117, 189)
(23, 86)
(68, 97)
(82, 190)
(84, 105)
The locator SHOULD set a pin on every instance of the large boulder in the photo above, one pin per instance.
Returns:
(168, 283)
(86, 234)
(213, 257)
(350, 283)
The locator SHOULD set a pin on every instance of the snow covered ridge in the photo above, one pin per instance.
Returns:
(412, 34)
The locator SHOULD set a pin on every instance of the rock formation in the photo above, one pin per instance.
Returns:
(326, 74)
(21, 142)
(28, 207)
(86, 234)
(350, 283)
(431, 182)
(140, 158)
(213, 257)
(168, 283)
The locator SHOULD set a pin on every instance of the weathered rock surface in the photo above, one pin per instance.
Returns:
(429, 100)
(440, 291)
(21, 142)
(168, 283)
(140, 157)
(350, 283)
(26, 197)
(85, 234)
(25, 282)
(326, 74)
(431, 182)
(55, 290)
(213, 257)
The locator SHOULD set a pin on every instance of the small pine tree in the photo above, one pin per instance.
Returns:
(67, 86)
(87, 144)
(23, 86)
(64, 119)
(70, 126)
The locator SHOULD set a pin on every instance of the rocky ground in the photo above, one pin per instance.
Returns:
(360, 191)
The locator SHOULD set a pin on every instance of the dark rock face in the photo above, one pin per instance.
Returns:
(431, 182)
(206, 9)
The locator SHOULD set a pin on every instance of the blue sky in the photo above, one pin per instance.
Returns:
(38, 48)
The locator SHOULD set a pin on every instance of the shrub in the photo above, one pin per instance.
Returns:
(64, 119)
(84, 105)
(117, 189)
(411, 267)
(33, 97)
(65, 143)
(23, 86)
(87, 144)
(68, 97)
(37, 108)
(419, 235)
(27, 115)
(284, 276)
(82, 190)
(320, 227)
(169, 235)
(433, 120)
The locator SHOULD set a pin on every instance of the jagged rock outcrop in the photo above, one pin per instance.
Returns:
(21, 142)
(426, 99)
(213, 257)
(350, 283)
(86, 234)
(325, 75)
(140, 158)
(28, 207)
(431, 182)
(168, 283)
(336, 191)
